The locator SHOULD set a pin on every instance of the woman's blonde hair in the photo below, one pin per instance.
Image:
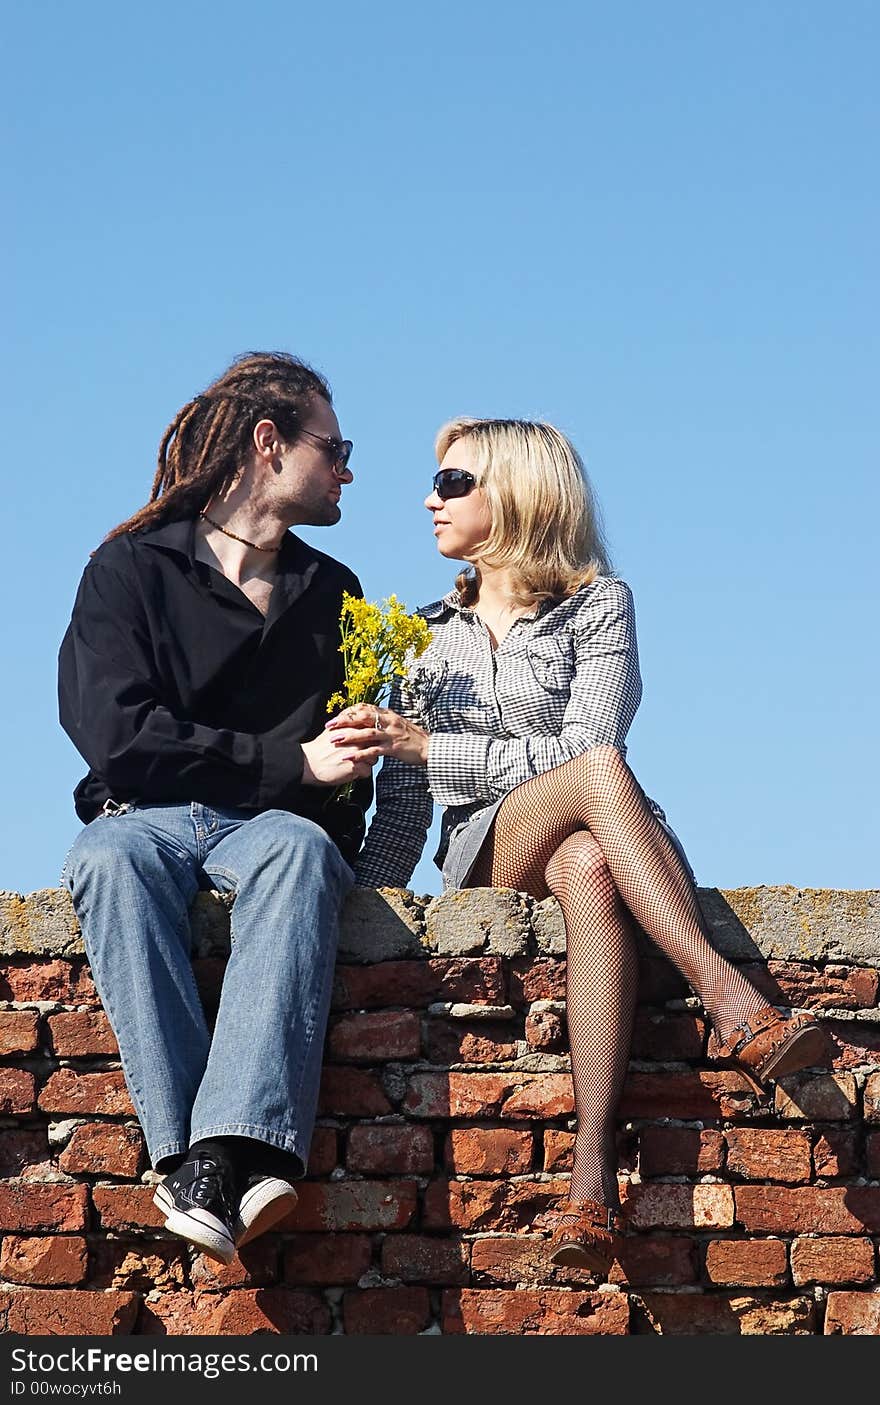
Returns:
(546, 526)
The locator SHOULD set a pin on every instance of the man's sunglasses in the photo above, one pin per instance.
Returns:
(453, 483)
(338, 450)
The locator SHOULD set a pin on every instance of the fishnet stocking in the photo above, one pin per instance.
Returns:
(585, 832)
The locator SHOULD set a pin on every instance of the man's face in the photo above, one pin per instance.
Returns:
(305, 480)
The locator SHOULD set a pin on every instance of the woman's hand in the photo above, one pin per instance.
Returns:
(325, 764)
(365, 732)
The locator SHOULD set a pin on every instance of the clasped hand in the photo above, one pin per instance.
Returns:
(363, 733)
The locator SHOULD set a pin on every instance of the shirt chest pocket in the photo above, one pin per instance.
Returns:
(427, 683)
(551, 661)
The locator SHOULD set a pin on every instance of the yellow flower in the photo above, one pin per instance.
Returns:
(379, 642)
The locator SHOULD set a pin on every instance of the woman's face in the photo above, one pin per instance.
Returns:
(460, 524)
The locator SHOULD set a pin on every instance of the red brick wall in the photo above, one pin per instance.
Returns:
(444, 1138)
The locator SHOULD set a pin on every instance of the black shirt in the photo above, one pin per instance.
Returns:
(174, 687)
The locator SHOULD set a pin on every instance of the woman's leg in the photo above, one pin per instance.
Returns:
(598, 792)
(601, 982)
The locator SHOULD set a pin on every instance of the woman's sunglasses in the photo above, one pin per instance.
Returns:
(453, 483)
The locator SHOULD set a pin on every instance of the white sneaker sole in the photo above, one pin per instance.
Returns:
(261, 1207)
(198, 1226)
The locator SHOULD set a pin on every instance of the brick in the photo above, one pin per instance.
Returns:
(747, 1263)
(456, 1041)
(480, 979)
(758, 1153)
(59, 1312)
(659, 981)
(458, 1094)
(323, 1152)
(546, 1095)
(104, 1094)
(694, 1314)
(808, 1209)
(326, 1259)
(661, 1260)
(872, 1155)
(141, 1265)
(388, 1312)
(856, 1043)
(50, 1258)
(351, 1092)
(34, 1205)
(832, 1260)
(691, 1096)
(419, 1258)
(668, 1036)
(17, 1091)
(19, 1032)
(489, 1205)
(127, 1207)
(558, 1150)
(410, 983)
(831, 987)
(25, 1153)
(518, 1259)
(383, 1148)
(254, 1266)
(872, 1098)
(835, 1152)
(250, 1312)
(66, 982)
(655, 1204)
(353, 1205)
(852, 1315)
(384, 1034)
(536, 980)
(679, 1151)
(534, 1312)
(419, 983)
(546, 1030)
(103, 1149)
(488, 1151)
(825, 1097)
(80, 1034)
(658, 1260)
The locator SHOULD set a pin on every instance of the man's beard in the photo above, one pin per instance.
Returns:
(320, 513)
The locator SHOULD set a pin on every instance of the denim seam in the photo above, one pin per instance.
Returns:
(323, 997)
(286, 1141)
(222, 873)
(168, 1149)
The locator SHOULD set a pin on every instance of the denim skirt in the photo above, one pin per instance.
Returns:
(466, 840)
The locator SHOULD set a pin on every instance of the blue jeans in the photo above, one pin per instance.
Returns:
(133, 877)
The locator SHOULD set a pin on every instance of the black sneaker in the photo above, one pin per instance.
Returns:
(198, 1202)
(265, 1200)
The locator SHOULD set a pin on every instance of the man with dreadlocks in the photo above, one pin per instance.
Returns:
(194, 679)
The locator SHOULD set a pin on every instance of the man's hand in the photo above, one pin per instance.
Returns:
(368, 732)
(326, 764)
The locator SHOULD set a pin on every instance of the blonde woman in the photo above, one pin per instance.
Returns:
(515, 721)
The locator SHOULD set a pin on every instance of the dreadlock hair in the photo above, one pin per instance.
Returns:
(207, 442)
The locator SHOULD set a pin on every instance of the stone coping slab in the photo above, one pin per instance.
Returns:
(385, 924)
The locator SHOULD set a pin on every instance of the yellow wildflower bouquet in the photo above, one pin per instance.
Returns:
(379, 642)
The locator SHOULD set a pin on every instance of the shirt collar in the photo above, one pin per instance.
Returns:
(452, 601)
(295, 568)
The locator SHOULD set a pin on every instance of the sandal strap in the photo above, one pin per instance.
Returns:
(761, 1023)
(588, 1220)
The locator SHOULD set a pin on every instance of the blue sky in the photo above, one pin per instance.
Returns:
(655, 225)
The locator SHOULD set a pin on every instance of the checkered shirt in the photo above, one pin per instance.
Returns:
(564, 679)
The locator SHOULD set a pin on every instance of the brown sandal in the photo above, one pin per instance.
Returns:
(590, 1240)
(769, 1045)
